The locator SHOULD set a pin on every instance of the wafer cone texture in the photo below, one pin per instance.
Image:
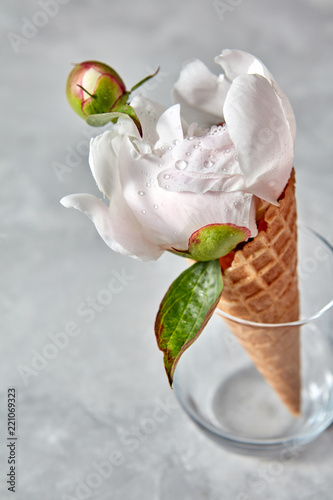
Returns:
(261, 285)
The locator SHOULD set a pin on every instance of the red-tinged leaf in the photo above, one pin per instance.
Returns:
(185, 310)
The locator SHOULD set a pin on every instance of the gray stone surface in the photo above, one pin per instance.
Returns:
(80, 410)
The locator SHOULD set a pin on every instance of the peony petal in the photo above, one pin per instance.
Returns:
(236, 208)
(261, 134)
(169, 127)
(104, 149)
(116, 225)
(199, 182)
(288, 110)
(236, 62)
(148, 113)
(200, 94)
(103, 161)
(201, 164)
(167, 218)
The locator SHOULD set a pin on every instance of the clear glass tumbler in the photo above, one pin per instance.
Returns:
(219, 387)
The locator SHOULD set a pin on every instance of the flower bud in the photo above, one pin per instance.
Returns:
(93, 88)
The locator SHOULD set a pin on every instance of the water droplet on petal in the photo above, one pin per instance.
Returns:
(166, 187)
(176, 142)
(148, 184)
(188, 154)
(143, 212)
(213, 130)
(166, 176)
(181, 164)
(190, 138)
(141, 193)
(155, 206)
(208, 164)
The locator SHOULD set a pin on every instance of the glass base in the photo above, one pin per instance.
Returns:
(222, 391)
(246, 406)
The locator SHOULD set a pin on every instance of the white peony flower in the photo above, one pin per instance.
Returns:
(235, 146)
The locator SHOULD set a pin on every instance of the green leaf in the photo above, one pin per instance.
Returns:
(127, 110)
(144, 80)
(185, 310)
(213, 241)
(102, 119)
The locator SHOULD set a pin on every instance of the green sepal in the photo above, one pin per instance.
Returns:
(144, 80)
(93, 96)
(127, 110)
(103, 118)
(104, 97)
(185, 310)
(213, 241)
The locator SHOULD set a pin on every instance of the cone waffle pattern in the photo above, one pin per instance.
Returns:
(261, 285)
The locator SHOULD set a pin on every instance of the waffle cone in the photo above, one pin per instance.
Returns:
(260, 285)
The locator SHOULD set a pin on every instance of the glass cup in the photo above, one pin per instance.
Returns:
(219, 387)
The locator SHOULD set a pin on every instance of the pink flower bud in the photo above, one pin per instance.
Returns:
(93, 88)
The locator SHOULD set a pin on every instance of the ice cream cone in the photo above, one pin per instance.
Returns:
(260, 285)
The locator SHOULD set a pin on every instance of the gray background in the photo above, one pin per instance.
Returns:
(108, 383)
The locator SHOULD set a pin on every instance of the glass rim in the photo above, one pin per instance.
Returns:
(297, 323)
